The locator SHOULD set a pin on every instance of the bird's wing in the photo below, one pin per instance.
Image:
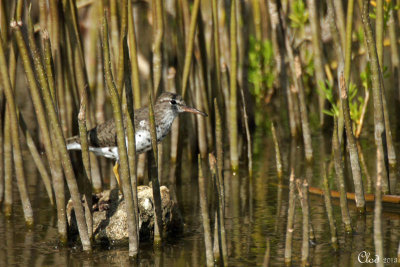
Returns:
(103, 135)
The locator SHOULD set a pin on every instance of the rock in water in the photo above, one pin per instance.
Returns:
(110, 218)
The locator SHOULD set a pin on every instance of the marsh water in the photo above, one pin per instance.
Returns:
(256, 211)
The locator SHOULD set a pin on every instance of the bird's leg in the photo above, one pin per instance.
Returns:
(116, 173)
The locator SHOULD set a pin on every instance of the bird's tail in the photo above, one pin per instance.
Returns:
(74, 143)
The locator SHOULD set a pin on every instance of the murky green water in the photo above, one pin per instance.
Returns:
(253, 213)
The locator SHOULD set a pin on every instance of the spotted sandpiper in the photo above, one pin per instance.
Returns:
(102, 139)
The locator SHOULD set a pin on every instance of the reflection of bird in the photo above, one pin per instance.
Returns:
(102, 139)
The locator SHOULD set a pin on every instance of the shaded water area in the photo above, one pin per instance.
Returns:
(255, 211)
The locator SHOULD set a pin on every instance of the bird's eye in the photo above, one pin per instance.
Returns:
(173, 102)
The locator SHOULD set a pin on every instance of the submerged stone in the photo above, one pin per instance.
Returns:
(110, 217)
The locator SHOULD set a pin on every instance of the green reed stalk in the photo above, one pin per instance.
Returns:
(189, 46)
(130, 133)
(349, 30)
(305, 245)
(18, 161)
(220, 222)
(157, 46)
(248, 135)
(37, 159)
(267, 254)
(4, 21)
(8, 166)
(378, 238)
(48, 60)
(257, 19)
(55, 126)
(278, 42)
(216, 245)
(114, 35)
(123, 157)
(352, 147)
(379, 31)
(332, 19)
(133, 55)
(86, 163)
(329, 209)
(290, 222)
(339, 14)
(297, 72)
(158, 225)
(339, 169)
(376, 75)
(394, 46)
(123, 13)
(318, 55)
(233, 120)
(57, 37)
(51, 148)
(217, 48)
(277, 152)
(364, 168)
(2, 154)
(219, 145)
(205, 215)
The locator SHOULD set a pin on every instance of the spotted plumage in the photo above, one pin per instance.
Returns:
(102, 139)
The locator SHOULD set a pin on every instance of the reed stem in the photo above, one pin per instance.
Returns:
(339, 169)
(55, 126)
(158, 224)
(352, 147)
(8, 166)
(18, 161)
(86, 163)
(376, 75)
(318, 55)
(277, 152)
(290, 221)
(232, 119)
(218, 181)
(189, 46)
(378, 238)
(130, 132)
(205, 216)
(121, 141)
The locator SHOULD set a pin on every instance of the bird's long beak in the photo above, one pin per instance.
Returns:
(193, 110)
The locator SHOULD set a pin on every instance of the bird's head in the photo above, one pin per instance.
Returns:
(176, 103)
